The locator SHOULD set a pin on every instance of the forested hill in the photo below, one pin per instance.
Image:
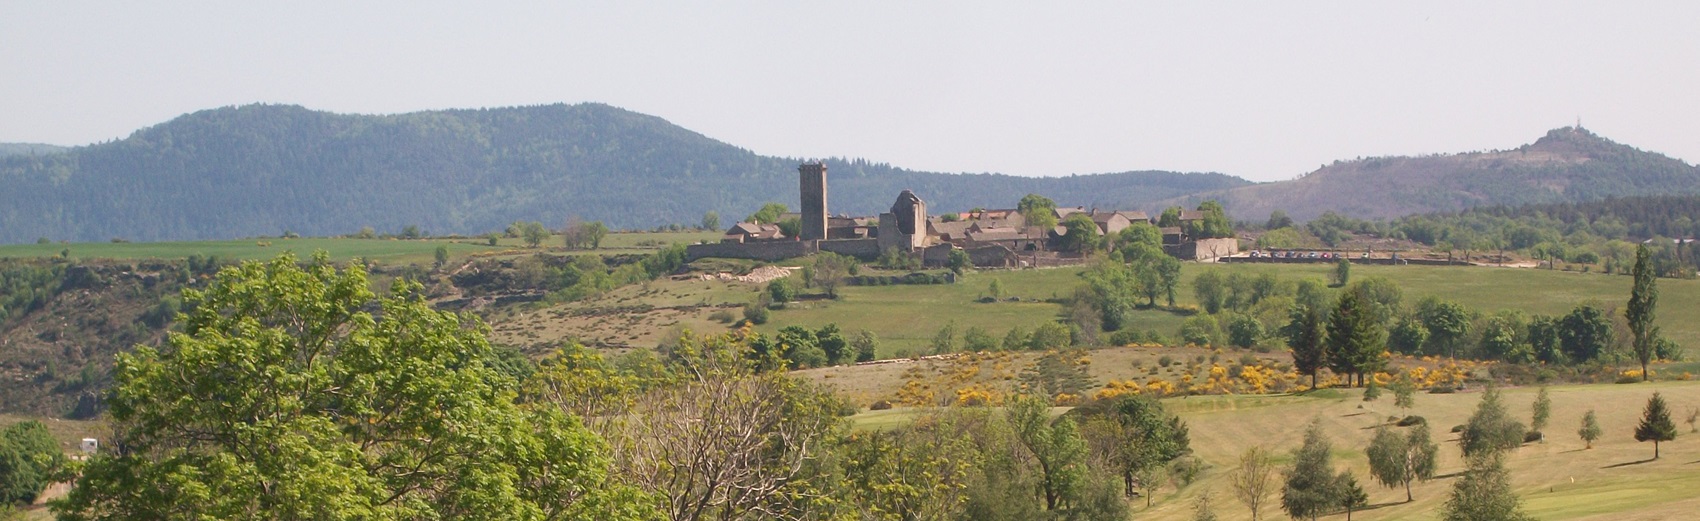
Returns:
(265, 169)
(24, 149)
(1567, 165)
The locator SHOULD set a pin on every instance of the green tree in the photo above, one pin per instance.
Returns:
(1542, 411)
(1056, 446)
(1448, 323)
(1016, 339)
(1277, 220)
(1081, 234)
(1656, 425)
(534, 234)
(833, 343)
(976, 339)
(1200, 330)
(29, 459)
(1210, 290)
(1357, 344)
(829, 271)
(1342, 272)
(1404, 393)
(768, 214)
(1484, 493)
(1038, 210)
(710, 220)
(294, 392)
(959, 262)
(867, 345)
(994, 289)
(1590, 430)
(1312, 488)
(945, 340)
(1049, 335)
(1307, 335)
(1585, 333)
(441, 255)
(1244, 331)
(1170, 218)
(1133, 434)
(1215, 224)
(593, 232)
(1168, 275)
(1397, 460)
(1490, 428)
(1141, 233)
(1643, 299)
(781, 290)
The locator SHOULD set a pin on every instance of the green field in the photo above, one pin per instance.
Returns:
(386, 251)
(907, 317)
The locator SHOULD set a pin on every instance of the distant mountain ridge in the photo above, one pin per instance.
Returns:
(265, 169)
(1566, 165)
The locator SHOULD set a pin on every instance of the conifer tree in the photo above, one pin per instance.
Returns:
(1656, 425)
(1590, 430)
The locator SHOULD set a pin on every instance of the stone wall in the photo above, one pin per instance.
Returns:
(1204, 249)
(993, 256)
(866, 249)
(764, 251)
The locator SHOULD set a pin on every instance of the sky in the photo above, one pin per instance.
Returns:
(1262, 90)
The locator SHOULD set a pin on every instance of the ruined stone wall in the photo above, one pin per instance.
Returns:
(762, 251)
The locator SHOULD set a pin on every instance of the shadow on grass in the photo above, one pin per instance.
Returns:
(1648, 460)
(1452, 475)
(1355, 414)
(1572, 450)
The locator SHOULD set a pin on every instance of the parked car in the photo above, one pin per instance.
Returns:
(1313, 255)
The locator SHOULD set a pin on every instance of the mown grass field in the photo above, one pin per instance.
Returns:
(1556, 479)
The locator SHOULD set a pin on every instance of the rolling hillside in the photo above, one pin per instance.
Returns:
(264, 169)
(1566, 165)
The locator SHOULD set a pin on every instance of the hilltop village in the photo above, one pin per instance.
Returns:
(1001, 238)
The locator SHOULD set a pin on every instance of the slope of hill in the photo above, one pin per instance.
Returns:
(26, 149)
(1567, 165)
(263, 169)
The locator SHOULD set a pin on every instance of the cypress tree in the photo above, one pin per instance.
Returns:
(1642, 300)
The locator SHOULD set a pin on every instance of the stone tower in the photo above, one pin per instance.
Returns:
(812, 184)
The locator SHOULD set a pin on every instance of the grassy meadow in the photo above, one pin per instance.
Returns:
(1557, 479)
(385, 251)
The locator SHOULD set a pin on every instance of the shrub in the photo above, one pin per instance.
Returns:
(1457, 428)
(722, 316)
(1413, 420)
(1532, 436)
(1442, 389)
(1165, 361)
(755, 313)
(880, 406)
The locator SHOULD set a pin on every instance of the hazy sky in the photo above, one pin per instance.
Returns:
(1264, 90)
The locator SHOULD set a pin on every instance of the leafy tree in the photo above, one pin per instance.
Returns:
(1585, 333)
(1399, 459)
(1590, 430)
(1200, 330)
(1056, 446)
(1244, 331)
(1307, 336)
(1542, 411)
(1171, 217)
(1215, 223)
(1357, 344)
(1656, 425)
(830, 270)
(442, 255)
(1490, 428)
(1643, 299)
(1404, 393)
(1137, 435)
(534, 234)
(768, 214)
(1448, 323)
(959, 262)
(1254, 480)
(366, 232)
(1081, 234)
(1016, 339)
(994, 289)
(1050, 335)
(1141, 233)
(294, 392)
(1342, 272)
(833, 344)
(1277, 220)
(1484, 493)
(945, 340)
(1544, 339)
(792, 227)
(710, 220)
(29, 459)
(867, 345)
(1210, 290)
(781, 290)
(1312, 488)
(411, 231)
(1038, 210)
(976, 339)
